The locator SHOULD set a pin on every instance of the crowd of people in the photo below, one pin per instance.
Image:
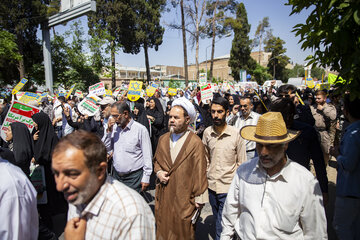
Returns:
(249, 154)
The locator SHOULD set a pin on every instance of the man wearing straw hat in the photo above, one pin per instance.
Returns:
(272, 197)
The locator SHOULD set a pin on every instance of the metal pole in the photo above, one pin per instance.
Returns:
(47, 58)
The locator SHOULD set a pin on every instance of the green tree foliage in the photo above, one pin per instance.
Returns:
(71, 64)
(116, 20)
(332, 30)
(220, 13)
(278, 59)
(174, 84)
(22, 18)
(317, 72)
(240, 51)
(262, 35)
(261, 74)
(150, 32)
(296, 71)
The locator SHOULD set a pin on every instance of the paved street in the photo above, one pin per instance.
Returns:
(205, 229)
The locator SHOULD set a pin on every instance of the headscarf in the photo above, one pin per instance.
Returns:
(23, 146)
(157, 113)
(236, 101)
(141, 116)
(47, 138)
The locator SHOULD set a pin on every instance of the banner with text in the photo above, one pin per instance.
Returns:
(206, 93)
(19, 86)
(134, 92)
(97, 89)
(19, 112)
(88, 105)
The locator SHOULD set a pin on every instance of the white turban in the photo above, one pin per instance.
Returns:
(187, 105)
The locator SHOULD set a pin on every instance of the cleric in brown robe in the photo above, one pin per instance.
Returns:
(180, 166)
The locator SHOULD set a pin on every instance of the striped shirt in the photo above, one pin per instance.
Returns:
(116, 212)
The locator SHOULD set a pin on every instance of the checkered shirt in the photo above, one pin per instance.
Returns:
(116, 212)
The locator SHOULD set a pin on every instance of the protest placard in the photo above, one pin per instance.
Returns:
(172, 91)
(108, 93)
(97, 89)
(134, 92)
(37, 178)
(79, 94)
(29, 96)
(88, 105)
(206, 93)
(19, 86)
(116, 91)
(70, 91)
(19, 112)
(202, 78)
(150, 90)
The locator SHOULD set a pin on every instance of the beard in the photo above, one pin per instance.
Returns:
(219, 122)
(85, 195)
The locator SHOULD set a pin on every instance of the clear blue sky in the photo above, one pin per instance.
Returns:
(171, 51)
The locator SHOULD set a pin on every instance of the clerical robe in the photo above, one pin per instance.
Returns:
(175, 201)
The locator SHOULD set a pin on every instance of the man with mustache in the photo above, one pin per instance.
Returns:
(246, 116)
(180, 166)
(225, 151)
(99, 206)
(272, 197)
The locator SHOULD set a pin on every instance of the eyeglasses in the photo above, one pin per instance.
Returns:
(243, 106)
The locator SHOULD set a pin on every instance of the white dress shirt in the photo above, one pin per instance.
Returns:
(116, 212)
(252, 119)
(287, 205)
(18, 211)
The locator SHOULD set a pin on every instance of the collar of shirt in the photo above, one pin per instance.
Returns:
(128, 126)
(95, 204)
(251, 116)
(225, 132)
(282, 175)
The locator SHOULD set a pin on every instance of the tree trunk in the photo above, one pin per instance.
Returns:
(21, 68)
(148, 76)
(274, 70)
(197, 40)
(260, 49)
(21, 63)
(113, 74)
(184, 41)
(213, 42)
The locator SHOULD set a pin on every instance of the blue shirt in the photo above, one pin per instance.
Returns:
(132, 149)
(348, 177)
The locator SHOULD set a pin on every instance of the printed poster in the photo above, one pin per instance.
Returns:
(134, 92)
(88, 105)
(97, 89)
(172, 91)
(29, 96)
(206, 93)
(202, 78)
(71, 90)
(19, 112)
(19, 86)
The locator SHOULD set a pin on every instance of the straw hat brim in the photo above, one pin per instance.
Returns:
(248, 133)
